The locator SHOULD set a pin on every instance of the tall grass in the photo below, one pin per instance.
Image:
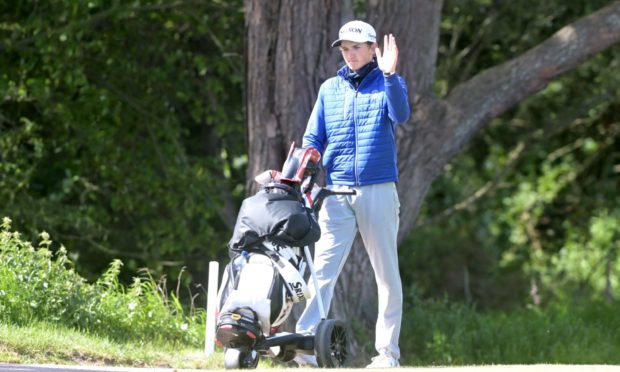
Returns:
(443, 333)
(38, 285)
(41, 286)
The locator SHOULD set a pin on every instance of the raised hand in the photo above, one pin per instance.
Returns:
(389, 58)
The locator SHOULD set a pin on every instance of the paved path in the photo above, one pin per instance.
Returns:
(492, 368)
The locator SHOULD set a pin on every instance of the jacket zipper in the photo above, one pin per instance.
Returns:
(356, 175)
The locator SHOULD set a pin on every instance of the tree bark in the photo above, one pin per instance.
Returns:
(288, 56)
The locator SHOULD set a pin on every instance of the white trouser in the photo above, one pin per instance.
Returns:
(374, 210)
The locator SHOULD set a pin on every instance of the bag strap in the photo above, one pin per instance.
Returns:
(295, 283)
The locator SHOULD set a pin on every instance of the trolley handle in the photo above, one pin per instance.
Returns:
(324, 193)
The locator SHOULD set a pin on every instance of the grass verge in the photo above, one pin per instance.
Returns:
(43, 343)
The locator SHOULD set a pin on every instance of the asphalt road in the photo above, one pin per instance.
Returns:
(491, 368)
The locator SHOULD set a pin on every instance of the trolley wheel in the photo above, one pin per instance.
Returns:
(285, 354)
(240, 358)
(330, 344)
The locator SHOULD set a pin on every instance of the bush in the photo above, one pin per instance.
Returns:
(444, 333)
(39, 285)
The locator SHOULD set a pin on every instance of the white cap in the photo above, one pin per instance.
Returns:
(357, 31)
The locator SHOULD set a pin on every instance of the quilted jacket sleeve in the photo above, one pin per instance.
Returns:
(397, 98)
(315, 135)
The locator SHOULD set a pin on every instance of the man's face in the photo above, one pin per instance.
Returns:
(356, 55)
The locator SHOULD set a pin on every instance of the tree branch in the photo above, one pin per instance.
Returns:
(493, 91)
(514, 156)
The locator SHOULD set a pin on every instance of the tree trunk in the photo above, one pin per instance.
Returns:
(288, 56)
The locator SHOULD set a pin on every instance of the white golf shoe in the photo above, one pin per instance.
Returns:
(383, 361)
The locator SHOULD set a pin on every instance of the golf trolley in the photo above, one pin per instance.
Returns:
(270, 250)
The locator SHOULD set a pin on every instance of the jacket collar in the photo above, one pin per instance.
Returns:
(355, 78)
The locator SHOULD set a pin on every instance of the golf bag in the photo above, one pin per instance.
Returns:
(265, 276)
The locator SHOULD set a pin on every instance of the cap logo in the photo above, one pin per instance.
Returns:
(352, 29)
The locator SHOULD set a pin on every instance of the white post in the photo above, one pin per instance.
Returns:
(214, 268)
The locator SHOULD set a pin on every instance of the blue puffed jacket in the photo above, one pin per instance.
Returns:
(354, 128)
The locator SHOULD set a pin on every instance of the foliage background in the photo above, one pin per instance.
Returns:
(122, 135)
(529, 212)
(121, 123)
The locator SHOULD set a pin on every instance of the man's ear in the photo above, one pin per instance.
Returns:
(374, 46)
